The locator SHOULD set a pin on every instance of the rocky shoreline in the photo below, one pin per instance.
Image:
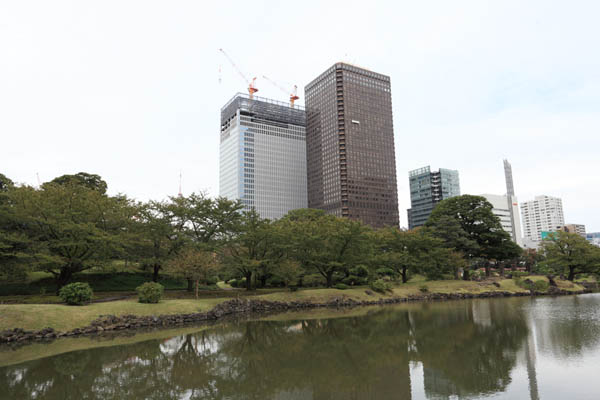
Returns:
(112, 323)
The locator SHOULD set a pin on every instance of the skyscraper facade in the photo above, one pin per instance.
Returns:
(427, 189)
(263, 155)
(512, 206)
(505, 208)
(543, 214)
(351, 163)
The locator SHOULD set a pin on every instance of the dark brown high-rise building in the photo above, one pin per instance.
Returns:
(351, 164)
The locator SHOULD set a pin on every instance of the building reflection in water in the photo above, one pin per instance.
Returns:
(465, 349)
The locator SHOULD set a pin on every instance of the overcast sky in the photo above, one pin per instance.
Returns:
(130, 90)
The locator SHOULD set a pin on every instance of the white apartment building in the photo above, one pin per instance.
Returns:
(506, 208)
(263, 155)
(544, 214)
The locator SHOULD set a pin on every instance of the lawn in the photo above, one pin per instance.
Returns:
(63, 318)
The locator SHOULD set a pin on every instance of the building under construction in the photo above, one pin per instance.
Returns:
(263, 155)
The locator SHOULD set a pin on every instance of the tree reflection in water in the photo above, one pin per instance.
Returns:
(466, 348)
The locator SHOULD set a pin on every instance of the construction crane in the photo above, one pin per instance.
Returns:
(293, 95)
(251, 88)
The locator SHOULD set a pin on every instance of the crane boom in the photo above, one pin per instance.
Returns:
(293, 95)
(251, 88)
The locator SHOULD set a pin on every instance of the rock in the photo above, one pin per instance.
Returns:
(369, 293)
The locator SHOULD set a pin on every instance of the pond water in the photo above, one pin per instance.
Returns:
(515, 348)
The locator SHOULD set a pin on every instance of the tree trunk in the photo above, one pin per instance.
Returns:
(501, 269)
(263, 281)
(466, 275)
(196, 289)
(404, 275)
(329, 277)
(155, 273)
(249, 281)
(571, 274)
(63, 278)
(487, 270)
(190, 287)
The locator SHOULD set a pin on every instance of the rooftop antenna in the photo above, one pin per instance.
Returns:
(180, 194)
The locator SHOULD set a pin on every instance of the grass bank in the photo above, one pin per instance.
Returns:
(64, 318)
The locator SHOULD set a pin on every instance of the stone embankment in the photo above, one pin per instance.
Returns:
(111, 323)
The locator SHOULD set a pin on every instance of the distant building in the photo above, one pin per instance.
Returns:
(593, 238)
(513, 205)
(351, 163)
(543, 214)
(505, 207)
(263, 155)
(574, 228)
(427, 189)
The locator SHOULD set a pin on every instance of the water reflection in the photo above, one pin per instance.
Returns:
(465, 349)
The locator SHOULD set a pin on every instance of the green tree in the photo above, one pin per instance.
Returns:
(90, 181)
(194, 264)
(252, 247)
(14, 243)
(5, 183)
(325, 243)
(208, 223)
(571, 254)
(467, 224)
(74, 228)
(155, 235)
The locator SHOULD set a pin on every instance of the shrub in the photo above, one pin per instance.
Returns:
(386, 272)
(76, 293)
(541, 286)
(353, 280)
(380, 286)
(150, 292)
(341, 286)
(313, 280)
(360, 271)
(424, 288)
(212, 280)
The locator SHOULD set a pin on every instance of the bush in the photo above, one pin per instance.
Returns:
(76, 293)
(341, 286)
(150, 292)
(313, 280)
(360, 271)
(380, 286)
(386, 272)
(541, 286)
(353, 280)
(212, 280)
(424, 288)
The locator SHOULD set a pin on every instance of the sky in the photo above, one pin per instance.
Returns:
(131, 90)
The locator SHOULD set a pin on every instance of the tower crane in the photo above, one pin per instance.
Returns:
(293, 95)
(251, 88)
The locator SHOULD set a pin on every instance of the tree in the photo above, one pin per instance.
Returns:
(209, 223)
(570, 253)
(5, 183)
(415, 251)
(154, 235)
(194, 264)
(90, 181)
(74, 228)
(14, 243)
(467, 224)
(252, 246)
(530, 258)
(325, 243)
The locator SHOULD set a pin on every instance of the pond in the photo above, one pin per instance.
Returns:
(515, 348)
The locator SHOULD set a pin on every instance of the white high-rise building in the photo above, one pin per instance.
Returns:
(263, 155)
(505, 207)
(544, 214)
